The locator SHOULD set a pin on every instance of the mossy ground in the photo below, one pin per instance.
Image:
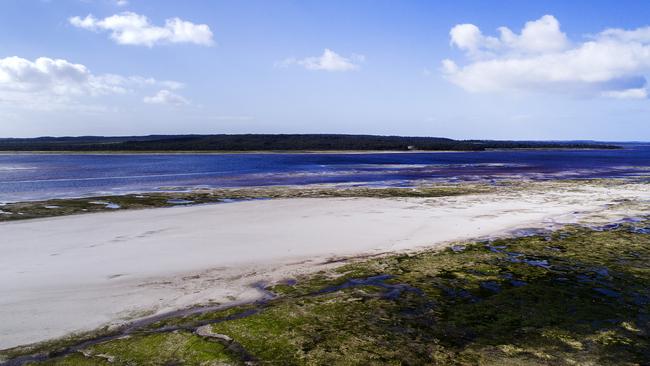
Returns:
(174, 348)
(574, 297)
(61, 207)
(497, 304)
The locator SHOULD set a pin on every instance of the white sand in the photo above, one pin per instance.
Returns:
(75, 273)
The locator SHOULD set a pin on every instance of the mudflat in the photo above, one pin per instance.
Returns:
(74, 273)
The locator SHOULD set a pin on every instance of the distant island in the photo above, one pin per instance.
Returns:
(279, 142)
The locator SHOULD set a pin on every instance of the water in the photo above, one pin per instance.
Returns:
(42, 176)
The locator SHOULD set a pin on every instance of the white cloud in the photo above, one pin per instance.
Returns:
(46, 81)
(122, 2)
(539, 36)
(328, 61)
(636, 35)
(165, 96)
(133, 29)
(636, 93)
(469, 38)
(541, 58)
(55, 76)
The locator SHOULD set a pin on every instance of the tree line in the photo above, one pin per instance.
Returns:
(280, 142)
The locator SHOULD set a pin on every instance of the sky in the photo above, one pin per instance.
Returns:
(544, 70)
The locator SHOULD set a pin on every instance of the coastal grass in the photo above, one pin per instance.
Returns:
(577, 296)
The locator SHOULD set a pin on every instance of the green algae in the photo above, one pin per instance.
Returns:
(54, 346)
(174, 348)
(199, 318)
(576, 296)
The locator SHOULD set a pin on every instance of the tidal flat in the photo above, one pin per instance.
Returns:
(82, 205)
(575, 296)
(321, 270)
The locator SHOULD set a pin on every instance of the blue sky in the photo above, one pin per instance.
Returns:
(576, 70)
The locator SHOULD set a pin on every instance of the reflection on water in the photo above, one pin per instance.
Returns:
(29, 177)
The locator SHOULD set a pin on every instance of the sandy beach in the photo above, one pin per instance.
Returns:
(76, 273)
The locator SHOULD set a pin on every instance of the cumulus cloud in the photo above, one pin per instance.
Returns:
(541, 58)
(539, 36)
(165, 96)
(55, 76)
(121, 2)
(133, 29)
(57, 81)
(328, 61)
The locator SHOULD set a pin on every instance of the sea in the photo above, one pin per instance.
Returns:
(27, 177)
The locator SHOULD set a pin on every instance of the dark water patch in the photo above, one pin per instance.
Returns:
(491, 286)
(541, 263)
(561, 236)
(528, 232)
(495, 248)
(510, 278)
(288, 282)
(640, 230)
(515, 257)
(641, 300)
(391, 291)
(535, 262)
(606, 227)
(601, 271)
(607, 292)
(459, 293)
(583, 278)
(636, 225)
(633, 219)
(458, 248)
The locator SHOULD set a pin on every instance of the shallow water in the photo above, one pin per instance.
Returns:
(44, 176)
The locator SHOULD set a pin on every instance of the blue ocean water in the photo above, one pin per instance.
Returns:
(42, 176)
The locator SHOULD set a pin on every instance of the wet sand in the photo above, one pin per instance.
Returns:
(75, 273)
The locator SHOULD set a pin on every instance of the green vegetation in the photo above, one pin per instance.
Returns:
(573, 297)
(261, 142)
(173, 348)
(578, 296)
(60, 207)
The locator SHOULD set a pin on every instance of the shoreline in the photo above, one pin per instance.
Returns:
(284, 152)
(111, 268)
(324, 190)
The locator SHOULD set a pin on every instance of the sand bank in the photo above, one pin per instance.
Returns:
(75, 273)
